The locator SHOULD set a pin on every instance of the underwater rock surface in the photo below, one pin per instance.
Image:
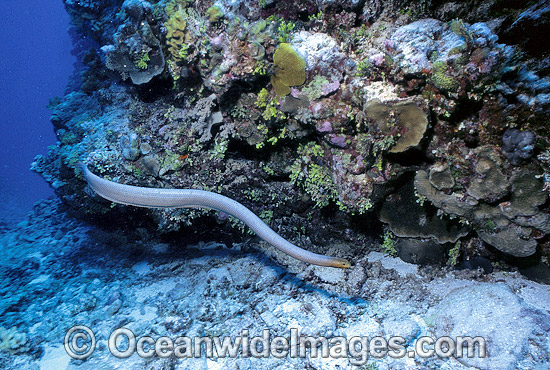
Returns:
(417, 129)
(57, 272)
(315, 114)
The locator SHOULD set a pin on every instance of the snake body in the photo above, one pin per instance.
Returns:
(191, 198)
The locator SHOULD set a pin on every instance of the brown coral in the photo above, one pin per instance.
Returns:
(405, 117)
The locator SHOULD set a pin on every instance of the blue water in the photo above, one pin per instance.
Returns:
(35, 64)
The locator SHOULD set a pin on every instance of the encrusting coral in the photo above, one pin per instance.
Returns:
(12, 341)
(403, 119)
(518, 146)
(289, 69)
(506, 224)
(408, 219)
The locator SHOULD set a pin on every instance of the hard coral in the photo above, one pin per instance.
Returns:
(409, 219)
(129, 146)
(518, 146)
(214, 14)
(13, 341)
(136, 52)
(176, 37)
(404, 117)
(290, 69)
(442, 79)
(497, 210)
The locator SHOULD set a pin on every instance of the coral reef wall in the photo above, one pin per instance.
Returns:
(323, 116)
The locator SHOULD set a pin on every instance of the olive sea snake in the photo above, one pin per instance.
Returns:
(190, 198)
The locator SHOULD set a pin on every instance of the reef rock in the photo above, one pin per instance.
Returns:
(518, 146)
(415, 43)
(505, 210)
(408, 219)
(136, 51)
(492, 312)
(312, 112)
(535, 22)
(321, 53)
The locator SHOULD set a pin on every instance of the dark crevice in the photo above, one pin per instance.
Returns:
(411, 157)
(466, 109)
(210, 231)
(242, 150)
(155, 89)
(237, 88)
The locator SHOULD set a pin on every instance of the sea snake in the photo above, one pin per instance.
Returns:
(190, 198)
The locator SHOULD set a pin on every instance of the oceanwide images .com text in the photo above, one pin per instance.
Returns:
(80, 343)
